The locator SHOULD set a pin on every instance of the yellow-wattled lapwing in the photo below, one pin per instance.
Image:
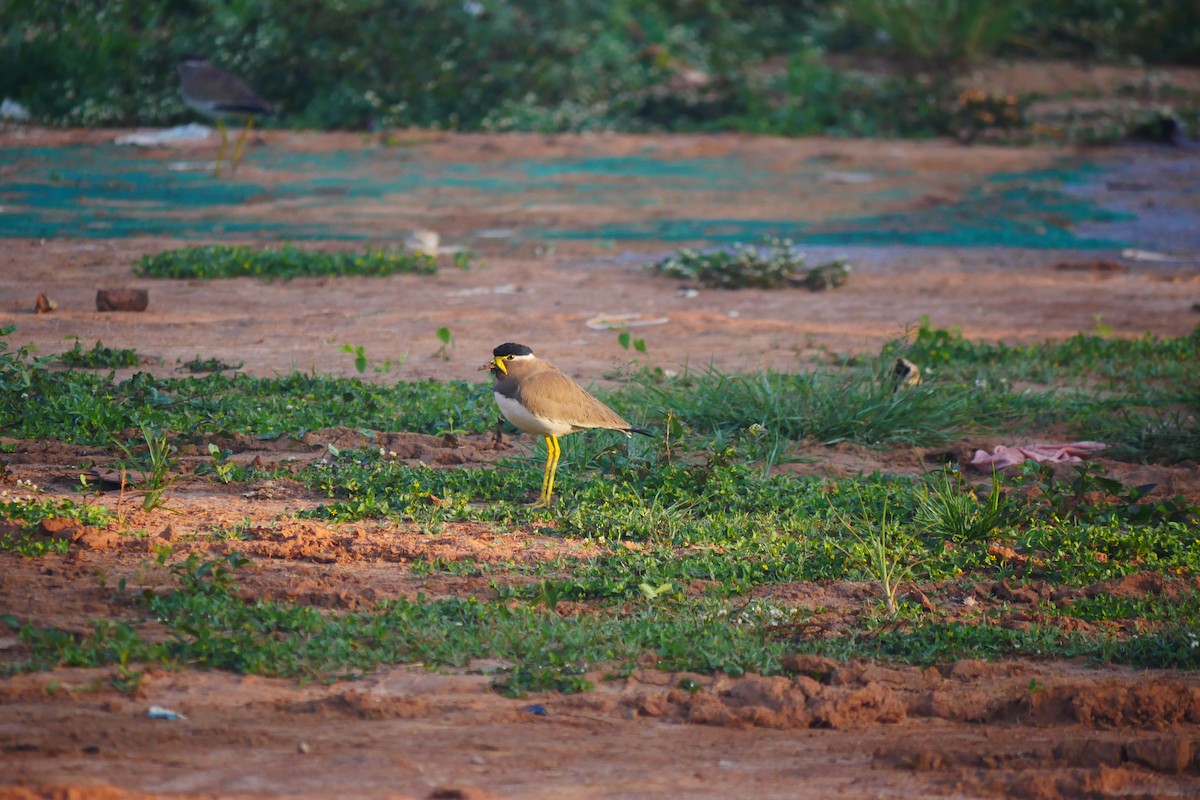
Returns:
(537, 397)
(218, 94)
(905, 374)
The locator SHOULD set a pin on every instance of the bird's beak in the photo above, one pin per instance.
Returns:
(495, 363)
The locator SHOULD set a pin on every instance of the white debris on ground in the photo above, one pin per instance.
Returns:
(166, 137)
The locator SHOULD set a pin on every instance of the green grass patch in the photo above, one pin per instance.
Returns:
(1137, 395)
(1168, 647)
(285, 263)
(825, 407)
(99, 357)
(1157, 360)
(209, 625)
(85, 408)
(688, 533)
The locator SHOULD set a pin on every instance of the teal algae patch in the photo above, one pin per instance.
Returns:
(112, 192)
(1022, 209)
(104, 191)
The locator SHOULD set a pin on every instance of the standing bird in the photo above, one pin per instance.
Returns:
(538, 398)
(905, 375)
(218, 94)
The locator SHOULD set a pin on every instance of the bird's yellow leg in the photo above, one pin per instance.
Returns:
(224, 144)
(552, 453)
(553, 468)
(241, 142)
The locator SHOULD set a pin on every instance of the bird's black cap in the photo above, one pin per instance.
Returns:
(512, 349)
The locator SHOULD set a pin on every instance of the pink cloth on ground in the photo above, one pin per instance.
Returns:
(1003, 456)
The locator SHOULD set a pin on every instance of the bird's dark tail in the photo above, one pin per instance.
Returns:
(642, 431)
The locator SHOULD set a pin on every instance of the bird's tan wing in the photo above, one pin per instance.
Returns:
(552, 395)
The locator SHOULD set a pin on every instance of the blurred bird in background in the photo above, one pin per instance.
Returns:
(218, 95)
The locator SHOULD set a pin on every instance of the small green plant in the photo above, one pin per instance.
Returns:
(447, 339)
(652, 592)
(87, 488)
(626, 340)
(99, 357)
(221, 466)
(360, 356)
(881, 549)
(746, 266)
(156, 466)
(549, 593)
(361, 362)
(238, 531)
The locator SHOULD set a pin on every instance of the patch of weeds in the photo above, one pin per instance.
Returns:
(18, 367)
(746, 266)
(29, 545)
(1163, 437)
(421, 568)
(1068, 551)
(99, 357)
(108, 642)
(239, 531)
(370, 483)
(1168, 647)
(284, 263)
(1147, 358)
(1181, 608)
(546, 677)
(198, 364)
(1127, 393)
(949, 508)
(28, 510)
(811, 97)
(1088, 494)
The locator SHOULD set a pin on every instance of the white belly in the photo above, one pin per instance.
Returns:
(515, 413)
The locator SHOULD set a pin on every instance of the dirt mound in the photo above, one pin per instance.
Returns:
(970, 729)
(824, 694)
(72, 793)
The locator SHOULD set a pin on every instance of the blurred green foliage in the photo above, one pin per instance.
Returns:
(569, 65)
